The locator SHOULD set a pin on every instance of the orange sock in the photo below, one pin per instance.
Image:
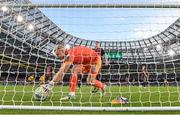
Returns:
(98, 84)
(72, 83)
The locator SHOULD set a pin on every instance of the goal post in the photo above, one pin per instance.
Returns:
(69, 5)
(143, 69)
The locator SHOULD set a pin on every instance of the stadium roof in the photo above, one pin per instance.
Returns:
(29, 30)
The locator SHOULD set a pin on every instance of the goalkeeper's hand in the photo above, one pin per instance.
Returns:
(47, 87)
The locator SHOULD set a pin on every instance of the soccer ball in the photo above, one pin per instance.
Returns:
(40, 94)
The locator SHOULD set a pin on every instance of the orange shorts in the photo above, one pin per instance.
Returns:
(92, 68)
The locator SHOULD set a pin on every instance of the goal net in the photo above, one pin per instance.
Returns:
(140, 66)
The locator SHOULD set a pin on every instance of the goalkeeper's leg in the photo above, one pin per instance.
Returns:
(72, 87)
(95, 90)
(72, 82)
(92, 77)
(98, 84)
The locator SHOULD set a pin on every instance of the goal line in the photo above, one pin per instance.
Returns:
(90, 108)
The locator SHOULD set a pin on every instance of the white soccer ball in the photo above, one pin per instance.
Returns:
(40, 94)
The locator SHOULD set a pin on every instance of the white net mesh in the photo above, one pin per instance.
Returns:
(141, 45)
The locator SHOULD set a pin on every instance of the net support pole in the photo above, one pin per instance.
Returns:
(71, 5)
(90, 108)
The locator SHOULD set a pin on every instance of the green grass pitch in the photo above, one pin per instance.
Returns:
(137, 96)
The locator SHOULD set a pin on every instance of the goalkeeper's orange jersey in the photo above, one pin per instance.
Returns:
(82, 55)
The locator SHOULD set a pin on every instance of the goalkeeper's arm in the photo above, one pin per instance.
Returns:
(60, 74)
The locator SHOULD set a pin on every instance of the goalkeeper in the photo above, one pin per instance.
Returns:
(84, 60)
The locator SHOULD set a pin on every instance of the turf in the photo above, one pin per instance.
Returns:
(137, 96)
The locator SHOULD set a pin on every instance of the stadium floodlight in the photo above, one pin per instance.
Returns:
(4, 8)
(30, 27)
(19, 18)
(159, 47)
(171, 52)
